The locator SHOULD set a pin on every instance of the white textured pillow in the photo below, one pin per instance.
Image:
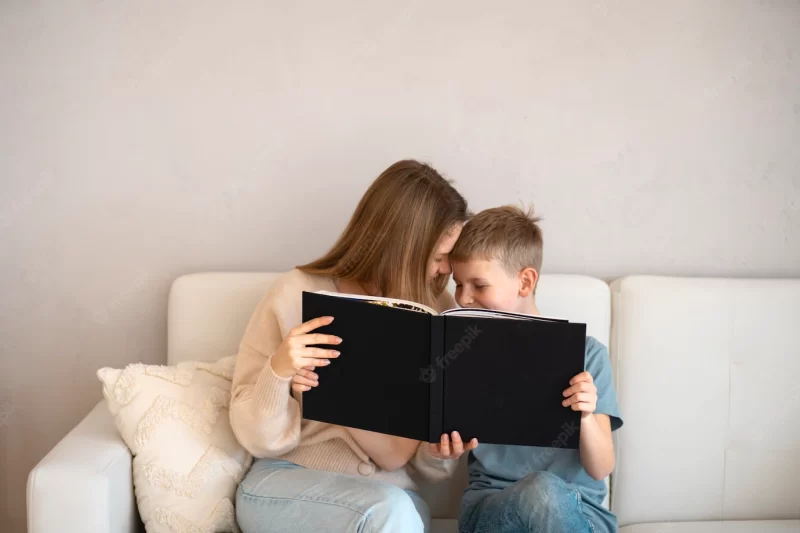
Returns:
(187, 462)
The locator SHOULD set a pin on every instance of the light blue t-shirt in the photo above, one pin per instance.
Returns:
(495, 466)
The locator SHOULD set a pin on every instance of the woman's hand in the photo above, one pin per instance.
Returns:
(304, 379)
(582, 394)
(294, 354)
(451, 450)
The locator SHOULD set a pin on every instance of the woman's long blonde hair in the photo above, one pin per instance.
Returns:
(393, 233)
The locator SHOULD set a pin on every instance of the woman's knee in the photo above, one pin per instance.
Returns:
(394, 510)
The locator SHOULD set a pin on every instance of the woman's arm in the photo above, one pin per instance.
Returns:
(264, 416)
(388, 452)
(596, 446)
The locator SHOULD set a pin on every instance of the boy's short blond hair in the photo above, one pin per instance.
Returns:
(507, 234)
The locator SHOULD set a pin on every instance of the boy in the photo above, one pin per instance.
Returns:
(496, 264)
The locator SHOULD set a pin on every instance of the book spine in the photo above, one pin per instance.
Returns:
(436, 382)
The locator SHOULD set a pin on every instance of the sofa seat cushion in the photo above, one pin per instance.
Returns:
(444, 525)
(736, 526)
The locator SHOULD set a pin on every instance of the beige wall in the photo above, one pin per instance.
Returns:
(142, 141)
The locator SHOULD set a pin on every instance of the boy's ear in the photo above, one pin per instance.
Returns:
(528, 278)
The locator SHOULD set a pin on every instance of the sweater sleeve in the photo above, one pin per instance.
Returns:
(430, 467)
(264, 416)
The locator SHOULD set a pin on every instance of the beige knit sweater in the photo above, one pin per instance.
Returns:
(266, 415)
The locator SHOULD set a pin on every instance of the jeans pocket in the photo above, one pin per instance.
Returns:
(579, 498)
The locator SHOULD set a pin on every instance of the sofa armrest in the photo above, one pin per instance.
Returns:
(84, 485)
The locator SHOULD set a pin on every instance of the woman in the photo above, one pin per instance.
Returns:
(321, 477)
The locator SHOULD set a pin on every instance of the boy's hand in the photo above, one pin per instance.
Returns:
(582, 395)
(447, 450)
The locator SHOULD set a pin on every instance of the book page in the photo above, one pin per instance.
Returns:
(387, 302)
(493, 313)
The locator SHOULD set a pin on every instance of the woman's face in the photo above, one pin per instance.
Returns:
(440, 262)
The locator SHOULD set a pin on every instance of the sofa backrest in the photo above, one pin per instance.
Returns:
(707, 378)
(208, 313)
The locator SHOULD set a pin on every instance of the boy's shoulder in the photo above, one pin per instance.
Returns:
(594, 347)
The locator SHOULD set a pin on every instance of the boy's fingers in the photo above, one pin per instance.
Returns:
(583, 376)
(300, 388)
(577, 397)
(583, 386)
(583, 406)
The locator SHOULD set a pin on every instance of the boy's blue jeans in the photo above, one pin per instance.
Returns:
(538, 503)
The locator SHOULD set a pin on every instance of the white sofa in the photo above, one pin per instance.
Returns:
(706, 371)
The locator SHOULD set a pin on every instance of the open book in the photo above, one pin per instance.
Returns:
(409, 371)
(420, 308)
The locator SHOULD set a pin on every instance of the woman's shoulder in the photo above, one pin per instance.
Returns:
(290, 284)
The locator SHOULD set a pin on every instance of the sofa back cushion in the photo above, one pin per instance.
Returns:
(707, 378)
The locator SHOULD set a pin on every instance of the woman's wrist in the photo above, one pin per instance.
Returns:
(280, 369)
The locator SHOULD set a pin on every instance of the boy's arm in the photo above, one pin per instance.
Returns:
(596, 446)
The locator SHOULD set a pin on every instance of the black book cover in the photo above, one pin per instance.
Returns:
(416, 375)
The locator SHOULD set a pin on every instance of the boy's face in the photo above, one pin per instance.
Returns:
(486, 284)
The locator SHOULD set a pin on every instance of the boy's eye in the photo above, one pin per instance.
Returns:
(458, 285)
(479, 287)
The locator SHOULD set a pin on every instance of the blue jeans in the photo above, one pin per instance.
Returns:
(284, 497)
(538, 503)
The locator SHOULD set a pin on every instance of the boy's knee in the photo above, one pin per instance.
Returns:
(542, 487)
(544, 498)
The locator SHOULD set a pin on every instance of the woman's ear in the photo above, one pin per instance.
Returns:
(528, 278)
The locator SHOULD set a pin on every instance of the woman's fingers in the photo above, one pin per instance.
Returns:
(444, 445)
(313, 357)
(308, 372)
(312, 362)
(311, 325)
(453, 447)
(315, 338)
(458, 445)
(320, 353)
(308, 382)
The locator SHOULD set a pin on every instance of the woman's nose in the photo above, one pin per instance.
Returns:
(445, 268)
